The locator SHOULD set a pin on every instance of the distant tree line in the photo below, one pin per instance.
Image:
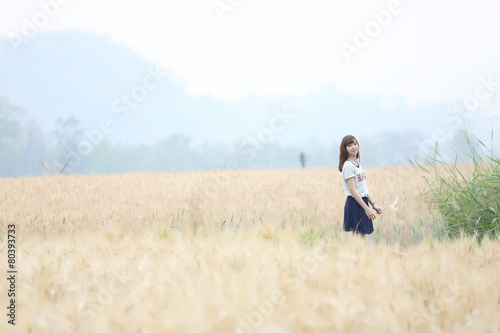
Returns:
(24, 148)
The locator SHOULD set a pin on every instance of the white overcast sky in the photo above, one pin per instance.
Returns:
(431, 50)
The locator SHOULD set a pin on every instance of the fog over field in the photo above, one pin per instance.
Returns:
(204, 79)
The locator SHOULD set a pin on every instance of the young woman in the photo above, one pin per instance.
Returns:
(357, 214)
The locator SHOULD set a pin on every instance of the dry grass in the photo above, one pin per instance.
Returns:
(243, 251)
(241, 198)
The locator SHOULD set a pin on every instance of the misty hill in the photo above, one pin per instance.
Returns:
(74, 73)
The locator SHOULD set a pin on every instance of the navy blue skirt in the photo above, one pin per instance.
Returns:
(355, 218)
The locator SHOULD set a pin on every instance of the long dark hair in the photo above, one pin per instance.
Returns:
(344, 155)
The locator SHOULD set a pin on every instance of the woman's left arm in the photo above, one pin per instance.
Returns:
(375, 207)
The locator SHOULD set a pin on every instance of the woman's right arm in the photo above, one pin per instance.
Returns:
(352, 188)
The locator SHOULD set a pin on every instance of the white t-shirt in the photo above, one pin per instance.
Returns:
(349, 169)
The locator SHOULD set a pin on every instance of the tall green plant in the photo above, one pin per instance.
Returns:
(470, 202)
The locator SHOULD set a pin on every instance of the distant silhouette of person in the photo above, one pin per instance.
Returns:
(302, 160)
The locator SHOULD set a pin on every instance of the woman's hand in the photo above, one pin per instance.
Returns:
(371, 215)
(377, 209)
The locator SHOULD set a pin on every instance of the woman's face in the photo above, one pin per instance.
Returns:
(352, 149)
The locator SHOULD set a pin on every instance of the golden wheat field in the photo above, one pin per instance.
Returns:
(238, 251)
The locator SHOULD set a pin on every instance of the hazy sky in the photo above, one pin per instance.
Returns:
(229, 49)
